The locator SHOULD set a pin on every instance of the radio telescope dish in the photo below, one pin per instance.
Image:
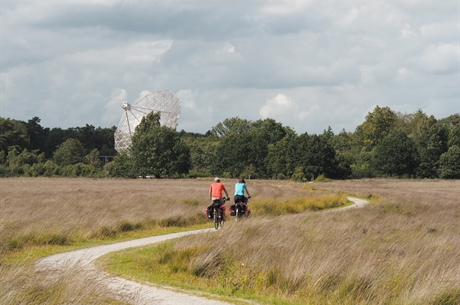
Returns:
(163, 101)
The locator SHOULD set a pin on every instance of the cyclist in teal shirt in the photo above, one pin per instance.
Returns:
(240, 187)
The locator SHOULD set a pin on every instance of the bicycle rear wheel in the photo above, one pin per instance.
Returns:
(216, 219)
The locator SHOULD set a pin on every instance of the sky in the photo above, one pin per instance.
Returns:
(308, 64)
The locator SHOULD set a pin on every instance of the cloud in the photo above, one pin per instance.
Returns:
(407, 32)
(283, 108)
(441, 58)
(186, 98)
(438, 30)
(286, 7)
(308, 64)
(277, 106)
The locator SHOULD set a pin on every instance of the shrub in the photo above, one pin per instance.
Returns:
(322, 178)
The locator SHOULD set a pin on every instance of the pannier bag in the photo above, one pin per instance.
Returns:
(223, 211)
(232, 210)
(209, 212)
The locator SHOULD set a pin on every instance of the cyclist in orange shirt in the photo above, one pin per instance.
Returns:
(215, 190)
(215, 194)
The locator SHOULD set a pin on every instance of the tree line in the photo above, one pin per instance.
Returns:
(386, 144)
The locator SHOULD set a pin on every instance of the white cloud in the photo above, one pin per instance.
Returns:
(407, 31)
(144, 93)
(308, 113)
(186, 98)
(277, 106)
(113, 107)
(306, 63)
(286, 7)
(351, 16)
(403, 74)
(439, 31)
(439, 58)
(138, 53)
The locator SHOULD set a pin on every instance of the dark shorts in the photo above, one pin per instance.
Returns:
(241, 198)
(217, 202)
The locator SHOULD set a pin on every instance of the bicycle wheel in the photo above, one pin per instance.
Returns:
(221, 222)
(216, 219)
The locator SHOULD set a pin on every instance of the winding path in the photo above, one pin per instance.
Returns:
(139, 294)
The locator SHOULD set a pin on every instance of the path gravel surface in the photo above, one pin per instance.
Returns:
(129, 291)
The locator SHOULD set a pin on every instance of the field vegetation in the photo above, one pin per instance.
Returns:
(402, 249)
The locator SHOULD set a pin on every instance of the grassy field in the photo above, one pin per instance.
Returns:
(402, 249)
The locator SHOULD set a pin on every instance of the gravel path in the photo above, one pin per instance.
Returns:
(135, 293)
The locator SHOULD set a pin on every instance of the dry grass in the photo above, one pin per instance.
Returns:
(52, 214)
(402, 249)
(22, 284)
(64, 210)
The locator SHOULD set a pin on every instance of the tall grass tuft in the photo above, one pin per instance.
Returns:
(22, 284)
(276, 207)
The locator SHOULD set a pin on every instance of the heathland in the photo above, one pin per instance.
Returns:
(403, 248)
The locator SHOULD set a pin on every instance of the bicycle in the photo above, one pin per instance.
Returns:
(218, 213)
(241, 209)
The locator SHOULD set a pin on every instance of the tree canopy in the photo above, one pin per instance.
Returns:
(386, 144)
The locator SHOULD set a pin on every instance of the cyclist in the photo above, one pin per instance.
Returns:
(215, 191)
(240, 187)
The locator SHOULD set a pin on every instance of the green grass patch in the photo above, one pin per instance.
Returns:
(192, 202)
(29, 252)
(164, 264)
(277, 207)
(228, 280)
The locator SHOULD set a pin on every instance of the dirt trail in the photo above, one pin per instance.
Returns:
(129, 291)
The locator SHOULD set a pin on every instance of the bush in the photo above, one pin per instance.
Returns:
(449, 167)
(127, 226)
(298, 174)
(51, 169)
(322, 178)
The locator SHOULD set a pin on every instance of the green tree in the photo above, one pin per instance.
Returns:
(395, 155)
(87, 137)
(410, 122)
(93, 158)
(105, 141)
(346, 152)
(122, 166)
(316, 156)
(70, 152)
(450, 163)
(281, 157)
(202, 152)
(431, 142)
(231, 125)
(37, 134)
(454, 135)
(13, 134)
(56, 137)
(237, 153)
(378, 124)
(452, 120)
(158, 150)
(270, 130)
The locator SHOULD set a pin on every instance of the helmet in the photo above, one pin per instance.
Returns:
(217, 179)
